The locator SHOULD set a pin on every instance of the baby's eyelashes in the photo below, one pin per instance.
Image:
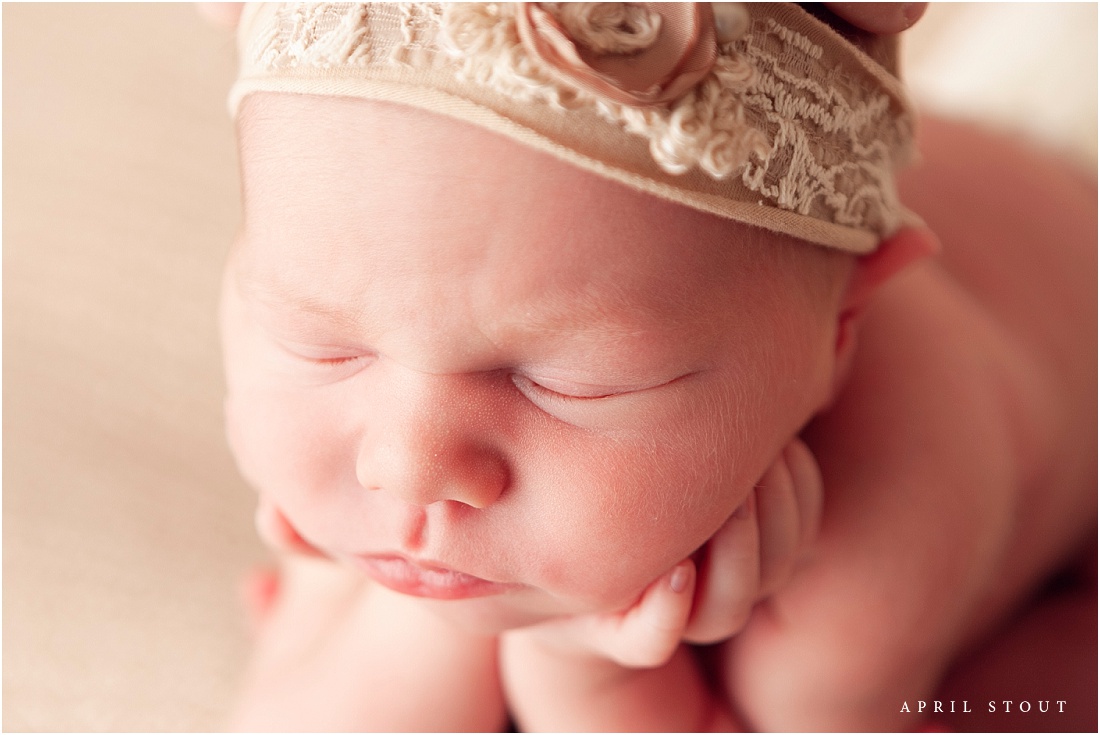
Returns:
(580, 405)
(326, 357)
(332, 360)
(556, 389)
(598, 407)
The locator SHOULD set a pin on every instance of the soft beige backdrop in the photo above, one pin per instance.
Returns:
(126, 528)
(125, 525)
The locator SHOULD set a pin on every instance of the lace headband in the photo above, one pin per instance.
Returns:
(757, 112)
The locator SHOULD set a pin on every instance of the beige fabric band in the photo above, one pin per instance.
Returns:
(757, 112)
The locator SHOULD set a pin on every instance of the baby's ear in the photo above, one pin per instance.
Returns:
(871, 271)
(893, 255)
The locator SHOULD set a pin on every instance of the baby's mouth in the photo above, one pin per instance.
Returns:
(425, 579)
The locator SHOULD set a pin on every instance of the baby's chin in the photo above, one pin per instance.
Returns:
(492, 616)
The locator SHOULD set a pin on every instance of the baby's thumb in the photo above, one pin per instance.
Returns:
(648, 633)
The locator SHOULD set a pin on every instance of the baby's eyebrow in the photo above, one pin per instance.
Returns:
(285, 299)
(608, 315)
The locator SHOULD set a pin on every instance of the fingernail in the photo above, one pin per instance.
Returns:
(681, 577)
(912, 12)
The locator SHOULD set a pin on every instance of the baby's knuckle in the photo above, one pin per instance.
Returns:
(646, 656)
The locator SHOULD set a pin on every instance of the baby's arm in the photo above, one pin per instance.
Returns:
(630, 671)
(960, 463)
(915, 516)
(337, 652)
(556, 683)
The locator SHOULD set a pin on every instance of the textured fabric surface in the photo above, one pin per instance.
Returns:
(806, 130)
(126, 528)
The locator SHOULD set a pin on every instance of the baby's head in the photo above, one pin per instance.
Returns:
(492, 372)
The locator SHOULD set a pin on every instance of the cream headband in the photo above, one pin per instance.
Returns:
(757, 112)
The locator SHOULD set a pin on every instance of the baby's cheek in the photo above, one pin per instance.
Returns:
(281, 444)
(625, 514)
(235, 435)
(256, 440)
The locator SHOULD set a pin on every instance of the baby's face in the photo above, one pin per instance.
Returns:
(493, 380)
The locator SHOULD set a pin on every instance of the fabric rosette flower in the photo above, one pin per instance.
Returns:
(635, 54)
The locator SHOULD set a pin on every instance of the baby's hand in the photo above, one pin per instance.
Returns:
(708, 598)
(643, 635)
(336, 652)
(755, 552)
(617, 672)
(624, 670)
(885, 18)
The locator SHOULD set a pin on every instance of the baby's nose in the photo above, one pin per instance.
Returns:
(430, 440)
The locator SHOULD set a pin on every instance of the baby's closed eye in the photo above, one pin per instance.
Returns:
(598, 407)
(557, 389)
(332, 359)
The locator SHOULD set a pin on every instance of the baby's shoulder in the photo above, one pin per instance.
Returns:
(1016, 285)
(999, 331)
(1018, 226)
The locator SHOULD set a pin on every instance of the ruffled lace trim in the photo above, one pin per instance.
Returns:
(807, 138)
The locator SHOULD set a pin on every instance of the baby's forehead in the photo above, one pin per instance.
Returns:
(332, 153)
(325, 177)
(352, 147)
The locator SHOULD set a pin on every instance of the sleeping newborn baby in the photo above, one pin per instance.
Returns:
(540, 323)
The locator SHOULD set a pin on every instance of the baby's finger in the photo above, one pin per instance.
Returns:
(809, 489)
(648, 633)
(780, 525)
(258, 591)
(880, 17)
(729, 579)
(275, 531)
(643, 636)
